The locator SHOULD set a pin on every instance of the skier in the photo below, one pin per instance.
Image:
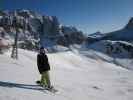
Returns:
(44, 68)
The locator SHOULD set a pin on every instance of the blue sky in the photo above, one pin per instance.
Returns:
(87, 15)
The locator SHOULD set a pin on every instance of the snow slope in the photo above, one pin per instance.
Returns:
(75, 76)
(117, 52)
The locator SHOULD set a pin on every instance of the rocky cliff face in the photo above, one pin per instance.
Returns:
(36, 29)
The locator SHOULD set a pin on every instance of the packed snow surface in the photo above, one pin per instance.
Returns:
(76, 77)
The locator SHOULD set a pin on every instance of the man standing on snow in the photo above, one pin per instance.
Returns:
(44, 68)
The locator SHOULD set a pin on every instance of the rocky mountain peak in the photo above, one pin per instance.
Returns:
(33, 27)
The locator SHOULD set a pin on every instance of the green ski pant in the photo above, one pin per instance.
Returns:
(45, 79)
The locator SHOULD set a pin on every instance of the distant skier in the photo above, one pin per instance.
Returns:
(44, 68)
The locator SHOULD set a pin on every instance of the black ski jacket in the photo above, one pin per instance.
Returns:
(42, 63)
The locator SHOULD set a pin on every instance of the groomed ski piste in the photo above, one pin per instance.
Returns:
(76, 77)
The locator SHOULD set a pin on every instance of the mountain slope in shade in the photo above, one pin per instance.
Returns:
(125, 34)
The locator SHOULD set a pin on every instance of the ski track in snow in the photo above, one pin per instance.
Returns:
(75, 76)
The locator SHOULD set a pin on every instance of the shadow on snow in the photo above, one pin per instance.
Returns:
(18, 85)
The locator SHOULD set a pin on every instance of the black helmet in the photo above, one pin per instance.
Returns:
(42, 50)
(41, 47)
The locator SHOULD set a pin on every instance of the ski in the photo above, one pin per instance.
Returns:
(52, 89)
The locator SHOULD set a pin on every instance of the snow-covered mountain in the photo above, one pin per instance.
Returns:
(34, 28)
(125, 34)
(118, 45)
(96, 35)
